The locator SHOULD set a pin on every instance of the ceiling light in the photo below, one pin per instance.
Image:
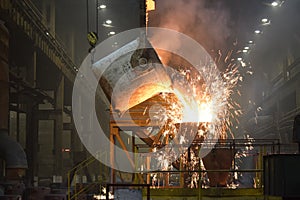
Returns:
(250, 42)
(111, 33)
(246, 48)
(102, 6)
(108, 21)
(257, 31)
(274, 3)
(265, 22)
(239, 59)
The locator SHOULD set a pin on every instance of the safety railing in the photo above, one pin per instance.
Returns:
(72, 173)
(246, 163)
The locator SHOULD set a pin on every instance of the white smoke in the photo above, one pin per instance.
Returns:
(208, 22)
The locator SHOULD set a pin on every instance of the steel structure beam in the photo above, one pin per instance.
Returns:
(27, 17)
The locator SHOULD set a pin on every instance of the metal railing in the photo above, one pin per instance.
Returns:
(74, 171)
(260, 148)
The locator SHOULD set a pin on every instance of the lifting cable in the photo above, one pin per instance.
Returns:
(92, 36)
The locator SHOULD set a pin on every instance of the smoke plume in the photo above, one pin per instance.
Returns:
(206, 21)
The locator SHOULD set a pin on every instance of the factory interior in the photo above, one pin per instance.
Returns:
(149, 99)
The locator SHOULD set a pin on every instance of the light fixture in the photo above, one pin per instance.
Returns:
(111, 33)
(102, 6)
(239, 59)
(108, 21)
(274, 3)
(250, 42)
(247, 48)
(66, 150)
(265, 21)
(257, 31)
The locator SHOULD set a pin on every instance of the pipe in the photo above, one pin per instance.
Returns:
(10, 150)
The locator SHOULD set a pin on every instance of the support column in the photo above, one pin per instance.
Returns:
(32, 126)
(32, 142)
(58, 131)
(4, 76)
(142, 13)
(76, 145)
(4, 84)
(113, 131)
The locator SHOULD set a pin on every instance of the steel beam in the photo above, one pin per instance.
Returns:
(27, 17)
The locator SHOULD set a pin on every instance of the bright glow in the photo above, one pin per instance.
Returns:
(274, 3)
(250, 42)
(150, 5)
(103, 196)
(247, 48)
(66, 150)
(239, 59)
(257, 31)
(202, 114)
(194, 111)
(265, 22)
(243, 64)
(111, 33)
(102, 6)
(205, 112)
(108, 21)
